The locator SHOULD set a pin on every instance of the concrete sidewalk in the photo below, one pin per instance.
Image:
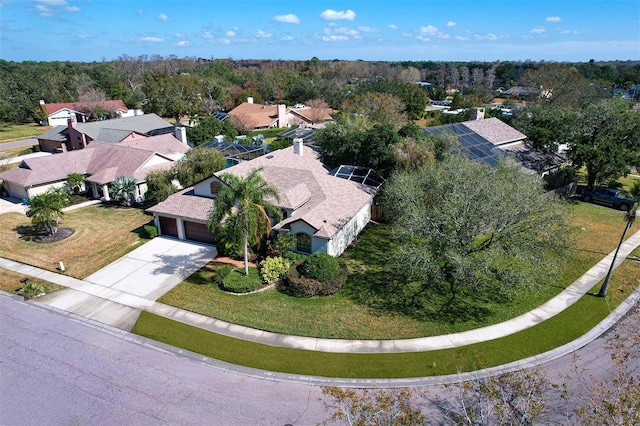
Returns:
(553, 307)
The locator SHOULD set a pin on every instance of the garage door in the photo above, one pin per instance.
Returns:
(168, 226)
(198, 232)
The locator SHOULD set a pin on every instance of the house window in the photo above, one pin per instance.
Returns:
(215, 187)
(303, 243)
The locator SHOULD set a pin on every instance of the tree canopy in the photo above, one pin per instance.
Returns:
(467, 231)
(198, 164)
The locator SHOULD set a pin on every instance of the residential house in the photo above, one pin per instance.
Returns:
(100, 162)
(324, 212)
(60, 113)
(489, 140)
(74, 135)
(263, 116)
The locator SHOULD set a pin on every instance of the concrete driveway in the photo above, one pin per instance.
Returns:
(154, 268)
(135, 279)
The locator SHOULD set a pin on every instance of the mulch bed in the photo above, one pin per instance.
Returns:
(60, 235)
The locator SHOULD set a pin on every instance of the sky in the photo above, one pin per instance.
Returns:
(370, 30)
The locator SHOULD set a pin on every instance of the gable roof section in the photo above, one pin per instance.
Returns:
(166, 145)
(495, 131)
(102, 162)
(83, 107)
(142, 124)
(332, 201)
(260, 115)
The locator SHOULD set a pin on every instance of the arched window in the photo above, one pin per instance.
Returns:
(303, 243)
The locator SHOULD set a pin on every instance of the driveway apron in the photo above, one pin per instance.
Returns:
(145, 273)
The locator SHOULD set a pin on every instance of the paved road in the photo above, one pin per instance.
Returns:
(18, 144)
(59, 368)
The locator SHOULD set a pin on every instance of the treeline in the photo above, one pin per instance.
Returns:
(171, 86)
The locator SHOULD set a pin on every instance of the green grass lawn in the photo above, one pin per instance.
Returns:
(10, 132)
(561, 329)
(357, 312)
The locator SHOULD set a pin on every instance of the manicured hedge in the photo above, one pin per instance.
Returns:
(237, 282)
(298, 285)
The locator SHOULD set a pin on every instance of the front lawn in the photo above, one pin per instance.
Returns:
(358, 312)
(10, 132)
(102, 234)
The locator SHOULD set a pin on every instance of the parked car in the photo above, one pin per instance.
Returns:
(609, 197)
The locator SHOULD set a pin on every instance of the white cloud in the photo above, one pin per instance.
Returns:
(426, 32)
(179, 35)
(85, 36)
(182, 43)
(150, 39)
(334, 38)
(286, 38)
(539, 30)
(488, 36)
(568, 31)
(162, 17)
(289, 18)
(207, 34)
(393, 26)
(230, 33)
(366, 29)
(451, 24)
(140, 12)
(461, 38)
(334, 15)
(48, 8)
(262, 34)
(342, 31)
(553, 19)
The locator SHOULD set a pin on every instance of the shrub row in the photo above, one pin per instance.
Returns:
(297, 285)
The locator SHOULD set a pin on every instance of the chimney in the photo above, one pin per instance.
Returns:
(181, 134)
(71, 122)
(41, 101)
(297, 146)
(477, 114)
(250, 100)
(282, 116)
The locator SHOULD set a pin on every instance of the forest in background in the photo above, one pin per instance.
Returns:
(174, 87)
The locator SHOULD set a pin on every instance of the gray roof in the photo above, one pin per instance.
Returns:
(115, 130)
(140, 124)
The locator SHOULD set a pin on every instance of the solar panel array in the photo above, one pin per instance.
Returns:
(474, 146)
(362, 175)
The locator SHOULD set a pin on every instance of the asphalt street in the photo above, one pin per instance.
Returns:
(60, 368)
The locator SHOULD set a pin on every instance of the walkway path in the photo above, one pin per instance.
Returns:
(123, 299)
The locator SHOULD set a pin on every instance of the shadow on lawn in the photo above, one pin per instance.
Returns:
(372, 284)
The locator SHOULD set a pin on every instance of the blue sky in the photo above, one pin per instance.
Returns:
(452, 30)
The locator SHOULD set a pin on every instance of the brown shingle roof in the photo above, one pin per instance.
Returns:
(110, 105)
(259, 115)
(101, 162)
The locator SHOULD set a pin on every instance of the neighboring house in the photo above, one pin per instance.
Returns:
(325, 213)
(101, 163)
(58, 113)
(256, 116)
(74, 135)
(489, 140)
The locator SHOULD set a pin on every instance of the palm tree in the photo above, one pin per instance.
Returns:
(123, 188)
(46, 209)
(75, 182)
(242, 205)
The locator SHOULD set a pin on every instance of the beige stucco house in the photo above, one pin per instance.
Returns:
(324, 212)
